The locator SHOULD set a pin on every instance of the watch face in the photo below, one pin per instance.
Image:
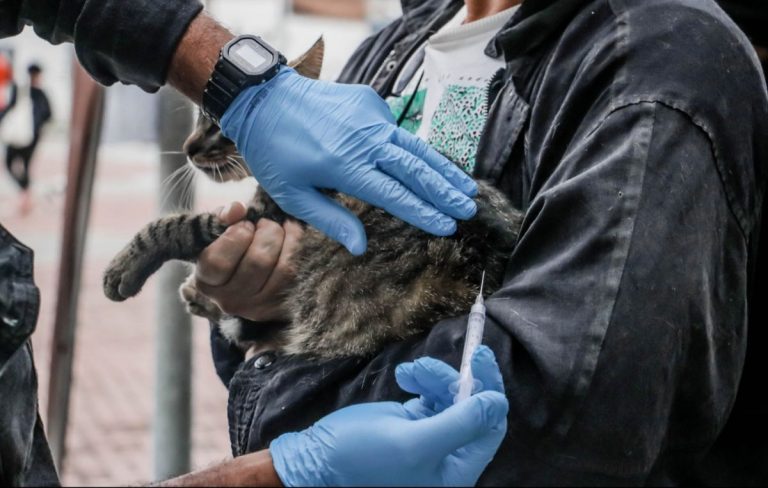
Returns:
(251, 57)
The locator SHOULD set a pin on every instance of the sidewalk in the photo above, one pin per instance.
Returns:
(110, 440)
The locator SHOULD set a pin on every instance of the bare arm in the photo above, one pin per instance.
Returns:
(255, 469)
(196, 56)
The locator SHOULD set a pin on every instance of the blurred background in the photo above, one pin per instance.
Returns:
(113, 436)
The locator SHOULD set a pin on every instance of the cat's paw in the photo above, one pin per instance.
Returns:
(197, 303)
(121, 281)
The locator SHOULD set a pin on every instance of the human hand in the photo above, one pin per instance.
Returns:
(299, 135)
(245, 270)
(425, 441)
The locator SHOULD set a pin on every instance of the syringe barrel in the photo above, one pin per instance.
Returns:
(474, 337)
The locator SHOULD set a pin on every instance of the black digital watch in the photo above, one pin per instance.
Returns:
(243, 62)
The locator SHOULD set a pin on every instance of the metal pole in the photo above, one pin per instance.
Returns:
(85, 132)
(173, 383)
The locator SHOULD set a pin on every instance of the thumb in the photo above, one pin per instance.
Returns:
(328, 216)
(232, 213)
(464, 423)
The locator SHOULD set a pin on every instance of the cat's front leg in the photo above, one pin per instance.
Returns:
(173, 237)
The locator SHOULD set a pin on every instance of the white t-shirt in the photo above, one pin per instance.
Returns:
(448, 93)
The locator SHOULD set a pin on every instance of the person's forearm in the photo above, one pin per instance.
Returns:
(196, 56)
(255, 469)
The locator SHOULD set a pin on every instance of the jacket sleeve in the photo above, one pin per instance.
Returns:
(625, 301)
(131, 41)
(620, 323)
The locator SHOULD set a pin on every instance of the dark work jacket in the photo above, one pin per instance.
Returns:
(25, 459)
(633, 134)
(131, 41)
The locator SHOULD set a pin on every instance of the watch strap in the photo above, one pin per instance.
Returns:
(227, 81)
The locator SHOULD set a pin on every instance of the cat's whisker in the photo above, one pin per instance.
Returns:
(177, 177)
(175, 174)
(188, 195)
(237, 167)
(229, 168)
(221, 175)
(183, 175)
(234, 168)
(167, 192)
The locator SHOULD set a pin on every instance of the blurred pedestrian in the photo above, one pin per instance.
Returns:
(27, 113)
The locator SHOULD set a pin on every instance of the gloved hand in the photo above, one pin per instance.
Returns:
(299, 135)
(415, 443)
(434, 380)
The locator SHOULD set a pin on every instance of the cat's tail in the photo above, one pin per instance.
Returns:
(173, 237)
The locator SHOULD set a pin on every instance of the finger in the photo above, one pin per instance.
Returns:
(328, 216)
(464, 423)
(285, 270)
(417, 410)
(234, 212)
(486, 369)
(259, 261)
(425, 182)
(429, 378)
(435, 160)
(218, 261)
(382, 191)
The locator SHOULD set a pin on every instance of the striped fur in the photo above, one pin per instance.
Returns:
(173, 237)
(340, 304)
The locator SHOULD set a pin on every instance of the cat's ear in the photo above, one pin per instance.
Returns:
(310, 63)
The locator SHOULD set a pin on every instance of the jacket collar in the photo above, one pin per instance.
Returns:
(535, 22)
(417, 13)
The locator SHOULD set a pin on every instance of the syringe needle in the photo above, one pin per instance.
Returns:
(473, 338)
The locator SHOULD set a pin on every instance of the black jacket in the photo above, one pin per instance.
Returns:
(131, 41)
(633, 133)
(25, 459)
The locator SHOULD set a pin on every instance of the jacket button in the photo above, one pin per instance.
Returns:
(10, 321)
(390, 65)
(264, 361)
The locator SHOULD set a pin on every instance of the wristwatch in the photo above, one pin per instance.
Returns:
(243, 62)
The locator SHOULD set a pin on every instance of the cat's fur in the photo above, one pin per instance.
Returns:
(340, 304)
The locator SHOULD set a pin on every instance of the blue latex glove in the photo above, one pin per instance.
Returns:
(415, 443)
(299, 135)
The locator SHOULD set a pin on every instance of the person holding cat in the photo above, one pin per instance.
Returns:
(302, 136)
(632, 133)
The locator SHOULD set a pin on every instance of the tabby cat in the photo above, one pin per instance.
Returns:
(339, 305)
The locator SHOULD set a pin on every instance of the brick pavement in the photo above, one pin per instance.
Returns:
(110, 438)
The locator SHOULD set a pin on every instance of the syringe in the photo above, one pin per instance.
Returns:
(474, 337)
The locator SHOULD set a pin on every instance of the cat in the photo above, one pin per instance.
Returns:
(339, 305)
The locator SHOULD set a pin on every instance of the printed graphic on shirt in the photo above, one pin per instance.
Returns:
(458, 123)
(442, 89)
